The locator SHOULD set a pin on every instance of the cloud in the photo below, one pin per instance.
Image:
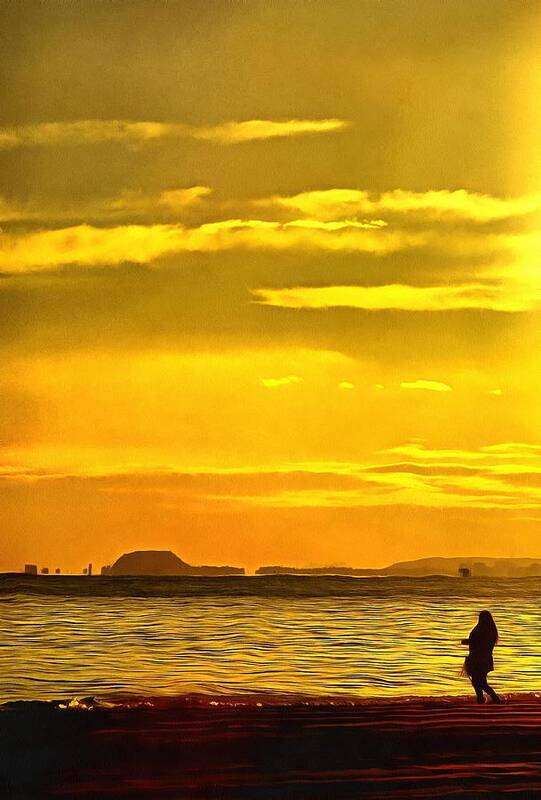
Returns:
(431, 386)
(330, 204)
(513, 448)
(171, 200)
(434, 485)
(95, 131)
(426, 468)
(504, 476)
(308, 235)
(167, 203)
(346, 385)
(340, 225)
(87, 245)
(271, 383)
(496, 453)
(91, 246)
(506, 296)
(88, 131)
(251, 130)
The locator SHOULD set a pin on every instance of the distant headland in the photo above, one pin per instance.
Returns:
(162, 562)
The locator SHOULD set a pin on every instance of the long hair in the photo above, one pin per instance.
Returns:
(487, 626)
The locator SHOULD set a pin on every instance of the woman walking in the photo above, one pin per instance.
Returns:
(479, 661)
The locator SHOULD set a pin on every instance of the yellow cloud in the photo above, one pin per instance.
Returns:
(94, 131)
(265, 234)
(84, 244)
(172, 200)
(333, 204)
(250, 130)
(324, 204)
(506, 296)
(88, 131)
(513, 448)
(494, 476)
(90, 245)
(431, 386)
(496, 452)
(432, 478)
(339, 225)
(271, 383)
(128, 203)
(460, 204)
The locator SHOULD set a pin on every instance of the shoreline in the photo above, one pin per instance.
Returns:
(278, 748)
(126, 701)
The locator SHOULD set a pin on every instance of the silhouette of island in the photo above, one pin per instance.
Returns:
(477, 566)
(162, 562)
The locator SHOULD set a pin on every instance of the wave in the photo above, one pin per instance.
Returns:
(253, 700)
(13, 584)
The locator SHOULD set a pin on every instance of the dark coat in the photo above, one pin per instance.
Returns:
(481, 643)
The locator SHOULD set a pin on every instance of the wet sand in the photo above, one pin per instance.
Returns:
(255, 748)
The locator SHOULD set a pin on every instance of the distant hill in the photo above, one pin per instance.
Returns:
(162, 562)
(478, 565)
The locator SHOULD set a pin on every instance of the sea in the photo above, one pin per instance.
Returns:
(309, 636)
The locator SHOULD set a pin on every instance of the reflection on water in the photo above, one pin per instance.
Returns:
(374, 637)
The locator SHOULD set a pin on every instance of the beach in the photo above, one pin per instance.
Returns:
(271, 748)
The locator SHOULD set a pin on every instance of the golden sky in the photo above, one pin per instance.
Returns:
(269, 280)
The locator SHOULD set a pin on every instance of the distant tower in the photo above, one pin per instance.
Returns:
(45, 570)
(464, 572)
(30, 569)
(90, 569)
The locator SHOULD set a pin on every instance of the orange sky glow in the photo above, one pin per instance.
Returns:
(269, 281)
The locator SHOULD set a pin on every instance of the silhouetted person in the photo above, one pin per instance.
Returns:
(479, 661)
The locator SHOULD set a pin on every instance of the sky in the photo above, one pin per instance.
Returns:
(269, 281)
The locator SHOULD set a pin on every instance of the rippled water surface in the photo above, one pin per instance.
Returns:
(315, 636)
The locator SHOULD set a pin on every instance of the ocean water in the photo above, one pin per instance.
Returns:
(295, 635)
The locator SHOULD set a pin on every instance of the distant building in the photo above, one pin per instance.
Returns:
(57, 571)
(106, 570)
(31, 569)
(85, 571)
(464, 572)
(90, 569)
(45, 570)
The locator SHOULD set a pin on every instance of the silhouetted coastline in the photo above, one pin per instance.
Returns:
(477, 566)
(165, 563)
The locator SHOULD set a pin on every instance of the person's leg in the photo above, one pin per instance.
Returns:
(490, 691)
(477, 683)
